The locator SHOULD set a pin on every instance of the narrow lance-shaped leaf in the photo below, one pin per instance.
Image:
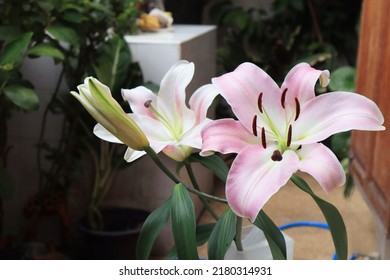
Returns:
(183, 223)
(332, 217)
(202, 236)
(112, 63)
(222, 236)
(151, 228)
(274, 236)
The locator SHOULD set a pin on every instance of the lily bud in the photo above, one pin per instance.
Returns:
(98, 101)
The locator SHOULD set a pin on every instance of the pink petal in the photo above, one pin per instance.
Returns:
(226, 136)
(201, 100)
(172, 96)
(254, 177)
(137, 98)
(322, 164)
(300, 82)
(241, 89)
(335, 112)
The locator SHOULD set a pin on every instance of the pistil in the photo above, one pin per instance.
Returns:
(276, 156)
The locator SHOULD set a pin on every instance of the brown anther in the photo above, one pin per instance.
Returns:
(276, 156)
(263, 140)
(147, 103)
(283, 99)
(289, 135)
(254, 125)
(260, 102)
(297, 109)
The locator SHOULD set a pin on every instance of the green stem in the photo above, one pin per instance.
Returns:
(237, 238)
(194, 182)
(177, 180)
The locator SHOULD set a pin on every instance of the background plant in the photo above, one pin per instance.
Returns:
(85, 38)
(15, 94)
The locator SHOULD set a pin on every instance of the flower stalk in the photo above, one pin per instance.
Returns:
(156, 159)
(238, 237)
(195, 184)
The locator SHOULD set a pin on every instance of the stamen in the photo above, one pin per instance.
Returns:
(297, 109)
(147, 103)
(283, 99)
(254, 125)
(289, 134)
(260, 102)
(276, 156)
(263, 140)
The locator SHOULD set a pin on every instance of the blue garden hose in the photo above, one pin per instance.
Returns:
(304, 224)
(311, 224)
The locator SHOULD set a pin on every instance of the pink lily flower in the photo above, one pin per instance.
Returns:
(165, 119)
(278, 131)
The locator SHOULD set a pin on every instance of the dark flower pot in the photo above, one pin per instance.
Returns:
(118, 239)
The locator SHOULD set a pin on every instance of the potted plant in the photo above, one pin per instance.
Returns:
(84, 38)
(109, 232)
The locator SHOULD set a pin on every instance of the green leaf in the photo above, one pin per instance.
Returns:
(332, 217)
(112, 63)
(13, 52)
(222, 235)
(274, 236)
(73, 16)
(183, 223)
(63, 33)
(6, 185)
(203, 233)
(48, 5)
(202, 236)
(23, 97)
(46, 49)
(9, 33)
(214, 163)
(151, 228)
(343, 79)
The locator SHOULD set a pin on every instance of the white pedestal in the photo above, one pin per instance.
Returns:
(157, 52)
